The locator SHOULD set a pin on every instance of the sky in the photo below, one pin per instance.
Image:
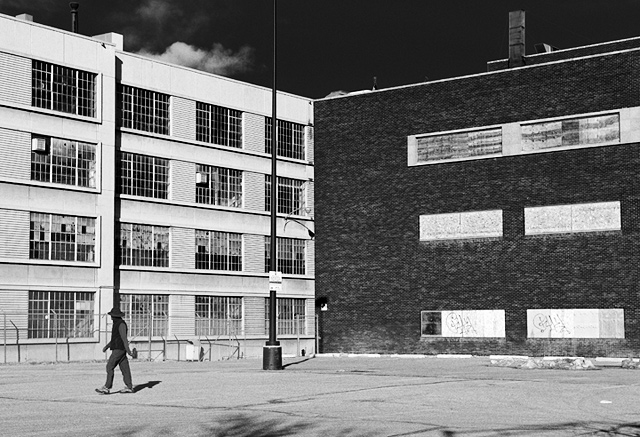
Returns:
(337, 45)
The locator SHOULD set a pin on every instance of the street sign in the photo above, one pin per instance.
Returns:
(274, 286)
(275, 281)
(275, 277)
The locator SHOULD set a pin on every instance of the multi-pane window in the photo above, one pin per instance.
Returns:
(218, 251)
(146, 314)
(291, 195)
(431, 322)
(218, 315)
(62, 238)
(63, 89)
(218, 186)
(460, 145)
(291, 315)
(290, 255)
(143, 110)
(290, 138)
(571, 132)
(218, 125)
(142, 175)
(143, 245)
(66, 162)
(60, 314)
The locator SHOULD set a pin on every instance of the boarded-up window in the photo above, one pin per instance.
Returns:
(461, 225)
(464, 323)
(460, 145)
(575, 323)
(571, 132)
(585, 217)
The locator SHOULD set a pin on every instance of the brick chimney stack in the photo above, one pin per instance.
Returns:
(516, 39)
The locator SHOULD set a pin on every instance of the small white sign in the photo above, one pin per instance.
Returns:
(274, 286)
(275, 277)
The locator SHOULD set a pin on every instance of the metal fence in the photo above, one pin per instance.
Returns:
(152, 336)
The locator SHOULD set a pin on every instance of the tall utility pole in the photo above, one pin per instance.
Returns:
(272, 351)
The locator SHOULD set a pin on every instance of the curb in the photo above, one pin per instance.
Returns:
(408, 356)
(598, 361)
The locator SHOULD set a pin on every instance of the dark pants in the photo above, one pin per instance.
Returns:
(118, 358)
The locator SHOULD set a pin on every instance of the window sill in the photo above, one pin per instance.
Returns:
(565, 148)
(170, 270)
(208, 206)
(212, 145)
(74, 340)
(570, 234)
(45, 262)
(440, 337)
(450, 160)
(50, 185)
(96, 119)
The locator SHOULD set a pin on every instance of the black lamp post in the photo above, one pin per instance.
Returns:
(272, 351)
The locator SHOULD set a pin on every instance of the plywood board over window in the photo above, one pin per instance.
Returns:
(569, 132)
(460, 225)
(575, 323)
(585, 217)
(463, 323)
(459, 145)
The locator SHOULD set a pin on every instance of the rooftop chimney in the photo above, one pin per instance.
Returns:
(74, 16)
(516, 39)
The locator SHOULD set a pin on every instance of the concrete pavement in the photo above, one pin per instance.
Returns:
(323, 396)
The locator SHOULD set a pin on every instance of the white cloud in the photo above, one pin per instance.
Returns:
(218, 60)
(157, 10)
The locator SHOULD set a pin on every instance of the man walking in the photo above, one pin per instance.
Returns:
(119, 346)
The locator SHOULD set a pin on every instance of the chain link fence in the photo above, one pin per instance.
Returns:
(155, 336)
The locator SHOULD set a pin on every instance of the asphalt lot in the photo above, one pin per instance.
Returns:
(322, 396)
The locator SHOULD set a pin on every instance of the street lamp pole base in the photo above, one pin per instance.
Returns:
(272, 357)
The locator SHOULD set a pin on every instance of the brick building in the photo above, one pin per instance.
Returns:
(490, 213)
(133, 182)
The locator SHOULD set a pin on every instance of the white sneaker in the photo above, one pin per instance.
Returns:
(103, 390)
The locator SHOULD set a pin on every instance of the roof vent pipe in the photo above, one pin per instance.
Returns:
(25, 17)
(516, 39)
(74, 16)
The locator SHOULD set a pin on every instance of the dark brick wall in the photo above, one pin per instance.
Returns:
(565, 54)
(376, 274)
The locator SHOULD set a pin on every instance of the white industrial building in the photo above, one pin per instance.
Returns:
(125, 180)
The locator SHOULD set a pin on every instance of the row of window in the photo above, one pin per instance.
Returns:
(60, 314)
(584, 217)
(537, 136)
(144, 245)
(149, 111)
(69, 238)
(74, 163)
(73, 91)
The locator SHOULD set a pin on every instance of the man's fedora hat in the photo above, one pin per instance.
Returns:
(115, 312)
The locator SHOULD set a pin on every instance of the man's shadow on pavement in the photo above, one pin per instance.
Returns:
(149, 384)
